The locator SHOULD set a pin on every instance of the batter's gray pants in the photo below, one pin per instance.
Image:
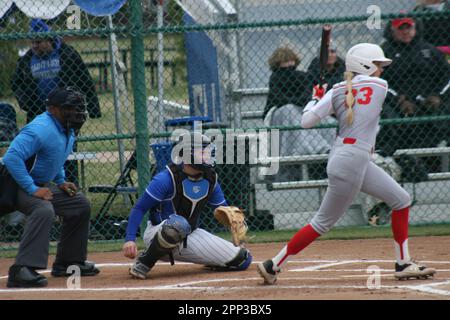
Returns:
(350, 170)
(72, 246)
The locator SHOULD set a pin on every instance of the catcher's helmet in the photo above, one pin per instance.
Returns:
(72, 103)
(197, 150)
(361, 57)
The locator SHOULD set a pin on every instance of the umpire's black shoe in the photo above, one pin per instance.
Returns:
(87, 268)
(25, 277)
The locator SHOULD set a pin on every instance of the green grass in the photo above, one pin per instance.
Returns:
(343, 233)
(351, 233)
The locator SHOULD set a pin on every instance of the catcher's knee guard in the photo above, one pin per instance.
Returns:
(241, 262)
(173, 231)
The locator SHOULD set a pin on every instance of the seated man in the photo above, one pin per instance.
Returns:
(179, 194)
(417, 80)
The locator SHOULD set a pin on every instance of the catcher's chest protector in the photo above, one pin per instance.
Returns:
(191, 196)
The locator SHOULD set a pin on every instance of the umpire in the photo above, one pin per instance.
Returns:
(43, 146)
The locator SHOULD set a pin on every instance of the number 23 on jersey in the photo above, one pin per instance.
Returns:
(363, 96)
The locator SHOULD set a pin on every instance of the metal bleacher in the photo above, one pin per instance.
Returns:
(426, 194)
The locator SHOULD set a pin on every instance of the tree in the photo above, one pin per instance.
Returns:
(8, 59)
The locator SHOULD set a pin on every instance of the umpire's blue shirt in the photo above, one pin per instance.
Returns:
(46, 138)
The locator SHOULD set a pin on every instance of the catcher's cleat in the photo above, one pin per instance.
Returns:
(266, 271)
(139, 270)
(413, 270)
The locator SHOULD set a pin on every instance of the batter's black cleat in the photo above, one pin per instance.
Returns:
(413, 270)
(266, 271)
(25, 277)
(87, 269)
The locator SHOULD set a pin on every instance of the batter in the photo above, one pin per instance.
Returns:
(357, 104)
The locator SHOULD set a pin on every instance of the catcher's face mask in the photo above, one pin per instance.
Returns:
(198, 151)
(204, 156)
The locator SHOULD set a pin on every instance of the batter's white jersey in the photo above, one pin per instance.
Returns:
(370, 93)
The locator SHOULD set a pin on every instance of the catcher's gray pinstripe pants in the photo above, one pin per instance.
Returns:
(202, 247)
(351, 170)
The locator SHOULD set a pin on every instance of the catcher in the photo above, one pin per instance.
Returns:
(178, 194)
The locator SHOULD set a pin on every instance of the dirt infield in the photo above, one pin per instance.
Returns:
(332, 269)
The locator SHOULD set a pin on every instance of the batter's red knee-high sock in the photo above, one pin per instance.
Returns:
(299, 241)
(400, 231)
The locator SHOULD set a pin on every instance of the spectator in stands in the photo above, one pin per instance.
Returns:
(435, 27)
(287, 85)
(289, 91)
(51, 63)
(417, 79)
(334, 71)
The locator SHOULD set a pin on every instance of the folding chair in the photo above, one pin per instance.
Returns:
(124, 185)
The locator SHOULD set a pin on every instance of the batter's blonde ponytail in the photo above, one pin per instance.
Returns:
(349, 97)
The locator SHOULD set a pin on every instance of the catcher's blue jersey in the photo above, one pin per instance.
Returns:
(160, 193)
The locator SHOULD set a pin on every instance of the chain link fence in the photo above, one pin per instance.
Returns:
(243, 68)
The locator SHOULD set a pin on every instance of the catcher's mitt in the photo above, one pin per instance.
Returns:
(233, 218)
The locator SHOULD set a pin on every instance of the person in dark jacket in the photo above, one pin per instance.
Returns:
(435, 26)
(50, 63)
(287, 85)
(417, 79)
(418, 71)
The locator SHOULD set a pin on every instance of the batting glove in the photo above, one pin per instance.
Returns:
(319, 92)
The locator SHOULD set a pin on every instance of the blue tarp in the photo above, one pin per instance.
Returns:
(95, 8)
(100, 8)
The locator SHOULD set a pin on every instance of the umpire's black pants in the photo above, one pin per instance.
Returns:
(75, 214)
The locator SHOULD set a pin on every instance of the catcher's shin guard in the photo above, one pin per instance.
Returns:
(241, 262)
(147, 259)
(171, 234)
